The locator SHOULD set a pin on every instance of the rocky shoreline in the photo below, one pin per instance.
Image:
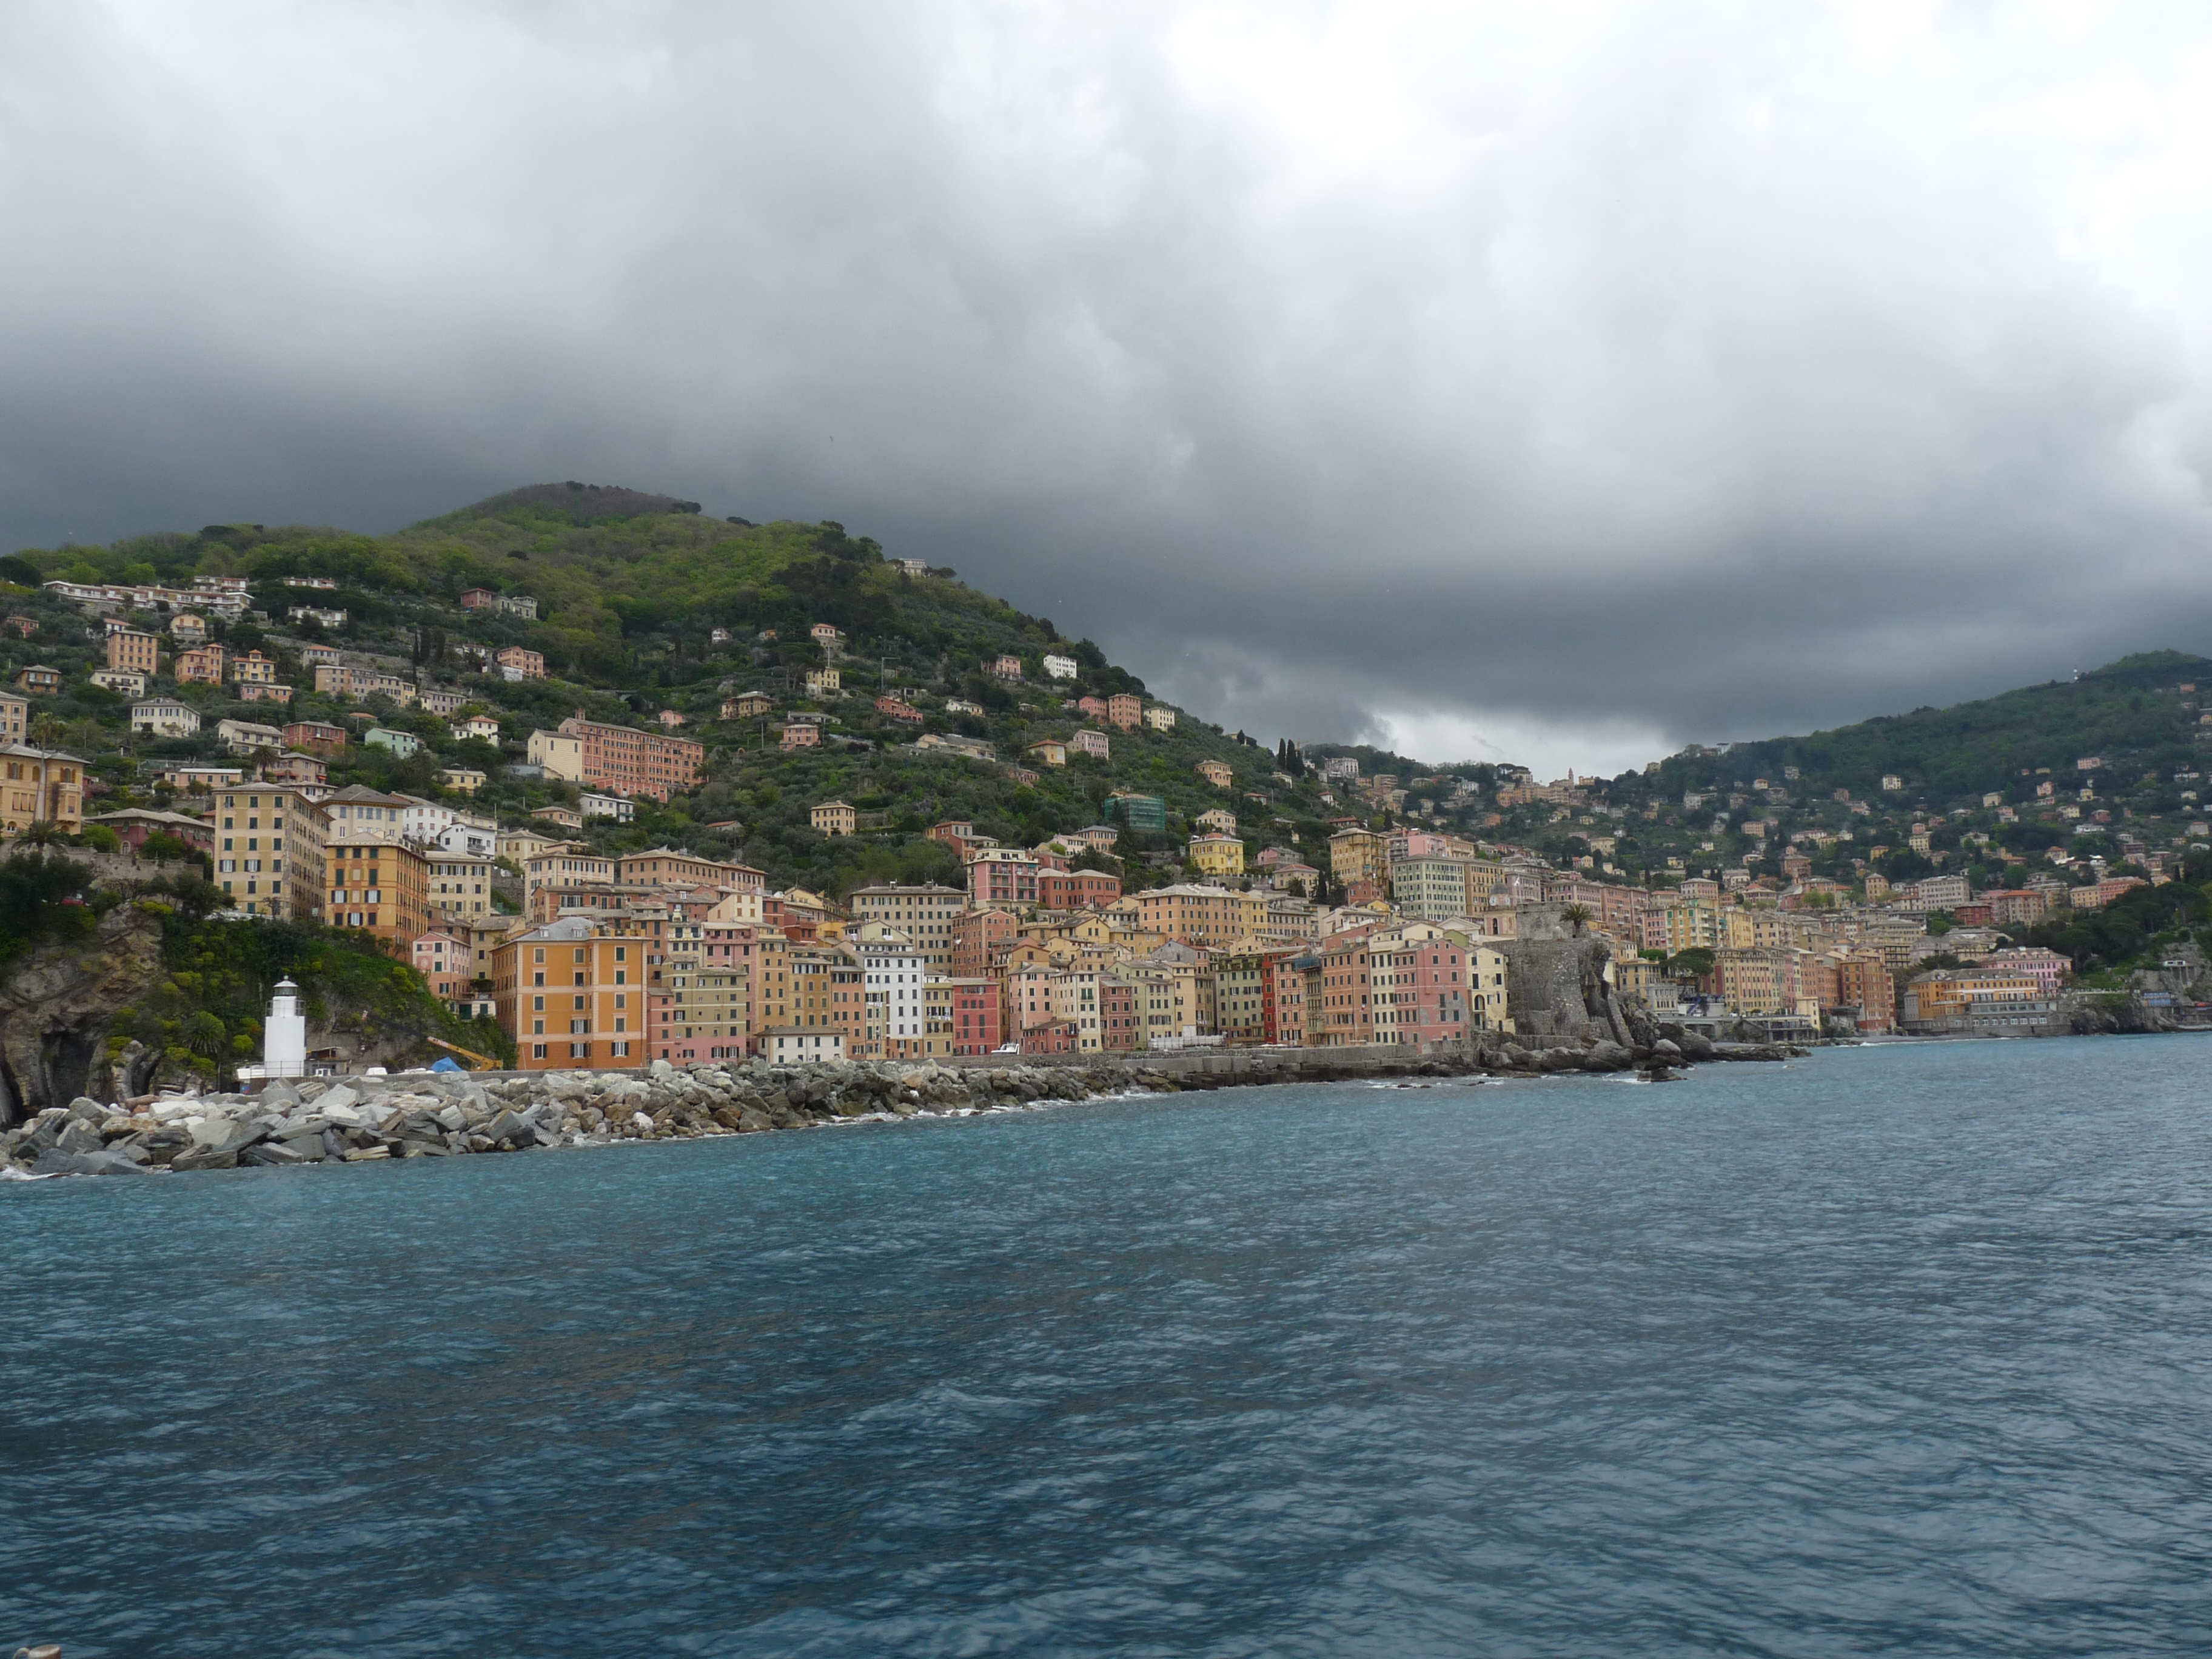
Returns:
(358, 1119)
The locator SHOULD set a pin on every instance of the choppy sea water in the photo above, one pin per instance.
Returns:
(1904, 1350)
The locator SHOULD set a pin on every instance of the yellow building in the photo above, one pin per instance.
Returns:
(268, 851)
(41, 787)
(1947, 993)
(460, 886)
(1217, 855)
(1691, 928)
(1361, 855)
(705, 1013)
(834, 817)
(1207, 918)
(1215, 773)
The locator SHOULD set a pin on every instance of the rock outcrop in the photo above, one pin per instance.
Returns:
(56, 1007)
(1556, 988)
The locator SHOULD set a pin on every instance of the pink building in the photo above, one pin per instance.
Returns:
(1001, 877)
(2045, 966)
(1420, 989)
(445, 961)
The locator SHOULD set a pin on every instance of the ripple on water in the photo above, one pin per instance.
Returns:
(1897, 1350)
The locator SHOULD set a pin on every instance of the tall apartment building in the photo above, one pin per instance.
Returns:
(1360, 859)
(1205, 918)
(379, 887)
(828, 993)
(574, 993)
(1434, 888)
(460, 886)
(15, 718)
(358, 813)
(269, 841)
(130, 650)
(999, 876)
(893, 971)
(632, 762)
(1339, 1011)
(1863, 982)
(703, 1011)
(927, 914)
(565, 872)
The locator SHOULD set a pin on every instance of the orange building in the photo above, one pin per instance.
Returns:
(381, 888)
(130, 650)
(575, 993)
(1339, 1009)
(201, 666)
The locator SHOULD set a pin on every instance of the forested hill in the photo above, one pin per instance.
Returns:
(632, 590)
(2143, 713)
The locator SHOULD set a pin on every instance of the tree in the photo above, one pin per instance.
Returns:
(1577, 916)
(1697, 963)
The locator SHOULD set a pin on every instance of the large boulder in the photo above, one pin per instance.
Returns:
(57, 1162)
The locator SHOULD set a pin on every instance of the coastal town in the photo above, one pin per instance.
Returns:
(1334, 905)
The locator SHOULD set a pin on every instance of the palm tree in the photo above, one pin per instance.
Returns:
(1578, 916)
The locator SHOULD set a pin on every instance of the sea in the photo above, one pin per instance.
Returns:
(1891, 1350)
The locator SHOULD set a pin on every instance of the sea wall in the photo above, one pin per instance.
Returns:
(447, 1115)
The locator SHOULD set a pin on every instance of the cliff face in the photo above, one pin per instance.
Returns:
(55, 1010)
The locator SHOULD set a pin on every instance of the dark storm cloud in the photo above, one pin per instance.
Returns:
(1564, 386)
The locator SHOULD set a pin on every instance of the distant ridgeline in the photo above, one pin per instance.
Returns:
(2141, 713)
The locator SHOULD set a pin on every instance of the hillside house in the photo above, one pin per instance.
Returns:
(165, 717)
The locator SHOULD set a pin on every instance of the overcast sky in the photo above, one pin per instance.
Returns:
(1560, 382)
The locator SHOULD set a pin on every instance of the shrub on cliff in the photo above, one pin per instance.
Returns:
(207, 1012)
(41, 898)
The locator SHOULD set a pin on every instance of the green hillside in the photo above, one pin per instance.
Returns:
(631, 589)
(2135, 714)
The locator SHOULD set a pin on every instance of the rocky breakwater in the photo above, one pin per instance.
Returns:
(430, 1114)
(454, 1115)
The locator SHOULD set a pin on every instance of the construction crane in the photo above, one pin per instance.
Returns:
(482, 1062)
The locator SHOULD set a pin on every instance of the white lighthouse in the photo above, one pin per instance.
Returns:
(284, 1039)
